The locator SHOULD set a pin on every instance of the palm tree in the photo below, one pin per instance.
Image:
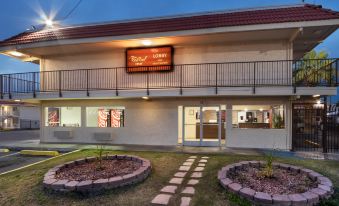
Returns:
(315, 69)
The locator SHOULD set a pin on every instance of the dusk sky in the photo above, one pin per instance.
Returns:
(18, 15)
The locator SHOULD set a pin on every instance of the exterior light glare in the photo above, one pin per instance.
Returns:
(145, 98)
(17, 100)
(318, 102)
(146, 42)
(316, 95)
(15, 53)
(261, 109)
(49, 22)
(246, 109)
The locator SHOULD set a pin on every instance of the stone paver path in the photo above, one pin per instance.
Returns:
(183, 183)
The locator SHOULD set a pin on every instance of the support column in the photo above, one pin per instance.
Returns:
(228, 132)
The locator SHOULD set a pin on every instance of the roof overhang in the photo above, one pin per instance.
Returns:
(313, 33)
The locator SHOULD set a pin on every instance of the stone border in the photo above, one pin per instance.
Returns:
(50, 182)
(311, 197)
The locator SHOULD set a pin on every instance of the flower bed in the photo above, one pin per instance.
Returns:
(290, 185)
(84, 176)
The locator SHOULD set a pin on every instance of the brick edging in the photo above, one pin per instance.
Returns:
(311, 197)
(50, 182)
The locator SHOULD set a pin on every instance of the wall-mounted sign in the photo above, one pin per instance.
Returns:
(149, 59)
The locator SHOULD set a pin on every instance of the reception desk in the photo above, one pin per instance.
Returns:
(254, 125)
(210, 131)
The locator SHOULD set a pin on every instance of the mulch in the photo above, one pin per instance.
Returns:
(283, 181)
(91, 170)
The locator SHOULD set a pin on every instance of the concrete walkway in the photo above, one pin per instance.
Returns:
(182, 184)
(28, 142)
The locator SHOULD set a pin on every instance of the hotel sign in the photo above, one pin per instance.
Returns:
(149, 59)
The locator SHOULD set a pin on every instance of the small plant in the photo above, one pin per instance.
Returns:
(100, 152)
(278, 121)
(267, 171)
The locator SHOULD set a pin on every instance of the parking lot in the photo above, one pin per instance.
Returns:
(14, 160)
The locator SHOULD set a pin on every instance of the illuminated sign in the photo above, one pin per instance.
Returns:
(149, 59)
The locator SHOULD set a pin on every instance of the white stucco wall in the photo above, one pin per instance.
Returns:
(155, 122)
(29, 112)
(191, 75)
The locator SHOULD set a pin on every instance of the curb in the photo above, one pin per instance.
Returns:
(39, 153)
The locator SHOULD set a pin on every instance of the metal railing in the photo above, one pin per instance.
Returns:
(308, 73)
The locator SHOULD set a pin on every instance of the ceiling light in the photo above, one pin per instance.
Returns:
(316, 95)
(17, 100)
(15, 53)
(246, 109)
(146, 42)
(145, 98)
(261, 109)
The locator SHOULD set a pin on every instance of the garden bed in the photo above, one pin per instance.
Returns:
(288, 185)
(87, 175)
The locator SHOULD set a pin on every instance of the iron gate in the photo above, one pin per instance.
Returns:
(315, 128)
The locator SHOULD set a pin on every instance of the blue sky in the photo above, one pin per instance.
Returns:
(18, 15)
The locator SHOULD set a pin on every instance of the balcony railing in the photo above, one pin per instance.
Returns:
(300, 73)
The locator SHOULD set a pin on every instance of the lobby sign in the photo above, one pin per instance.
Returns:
(149, 59)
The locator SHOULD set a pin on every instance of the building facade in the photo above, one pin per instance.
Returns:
(227, 79)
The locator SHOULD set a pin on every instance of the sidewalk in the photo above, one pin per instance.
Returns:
(36, 145)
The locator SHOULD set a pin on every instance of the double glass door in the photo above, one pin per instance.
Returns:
(204, 125)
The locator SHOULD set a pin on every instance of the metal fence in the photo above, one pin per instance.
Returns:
(309, 73)
(315, 128)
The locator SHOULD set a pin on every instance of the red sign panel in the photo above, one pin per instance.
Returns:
(149, 59)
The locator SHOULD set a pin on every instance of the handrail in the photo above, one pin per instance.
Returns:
(215, 75)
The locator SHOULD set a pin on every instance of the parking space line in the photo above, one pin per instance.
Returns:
(9, 155)
(38, 162)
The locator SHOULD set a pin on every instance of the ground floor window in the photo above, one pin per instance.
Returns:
(258, 116)
(105, 116)
(63, 116)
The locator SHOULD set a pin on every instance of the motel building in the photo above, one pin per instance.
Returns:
(232, 79)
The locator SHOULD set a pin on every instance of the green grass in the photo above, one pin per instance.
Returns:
(24, 187)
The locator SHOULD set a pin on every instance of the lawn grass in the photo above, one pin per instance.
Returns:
(24, 187)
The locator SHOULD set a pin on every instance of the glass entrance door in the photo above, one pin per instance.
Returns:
(210, 126)
(203, 125)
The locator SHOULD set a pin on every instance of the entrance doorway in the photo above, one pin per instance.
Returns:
(203, 125)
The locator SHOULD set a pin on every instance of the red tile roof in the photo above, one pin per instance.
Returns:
(295, 13)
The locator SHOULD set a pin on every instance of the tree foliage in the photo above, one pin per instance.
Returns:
(314, 69)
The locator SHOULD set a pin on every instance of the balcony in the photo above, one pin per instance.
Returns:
(216, 77)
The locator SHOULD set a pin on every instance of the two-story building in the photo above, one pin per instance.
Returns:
(228, 78)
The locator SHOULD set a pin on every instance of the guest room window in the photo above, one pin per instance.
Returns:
(258, 116)
(63, 116)
(105, 116)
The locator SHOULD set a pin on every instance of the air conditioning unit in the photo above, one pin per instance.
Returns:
(63, 134)
(102, 136)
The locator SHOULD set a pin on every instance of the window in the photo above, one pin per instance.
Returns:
(258, 116)
(63, 116)
(105, 116)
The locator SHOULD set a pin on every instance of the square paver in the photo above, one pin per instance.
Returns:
(161, 199)
(196, 175)
(190, 160)
(184, 168)
(201, 164)
(203, 160)
(180, 174)
(185, 201)
(176, 180)
(188, 191)
(187, 163)
(193, 157)
(169, 189)
(199, 169)
(193, 182)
